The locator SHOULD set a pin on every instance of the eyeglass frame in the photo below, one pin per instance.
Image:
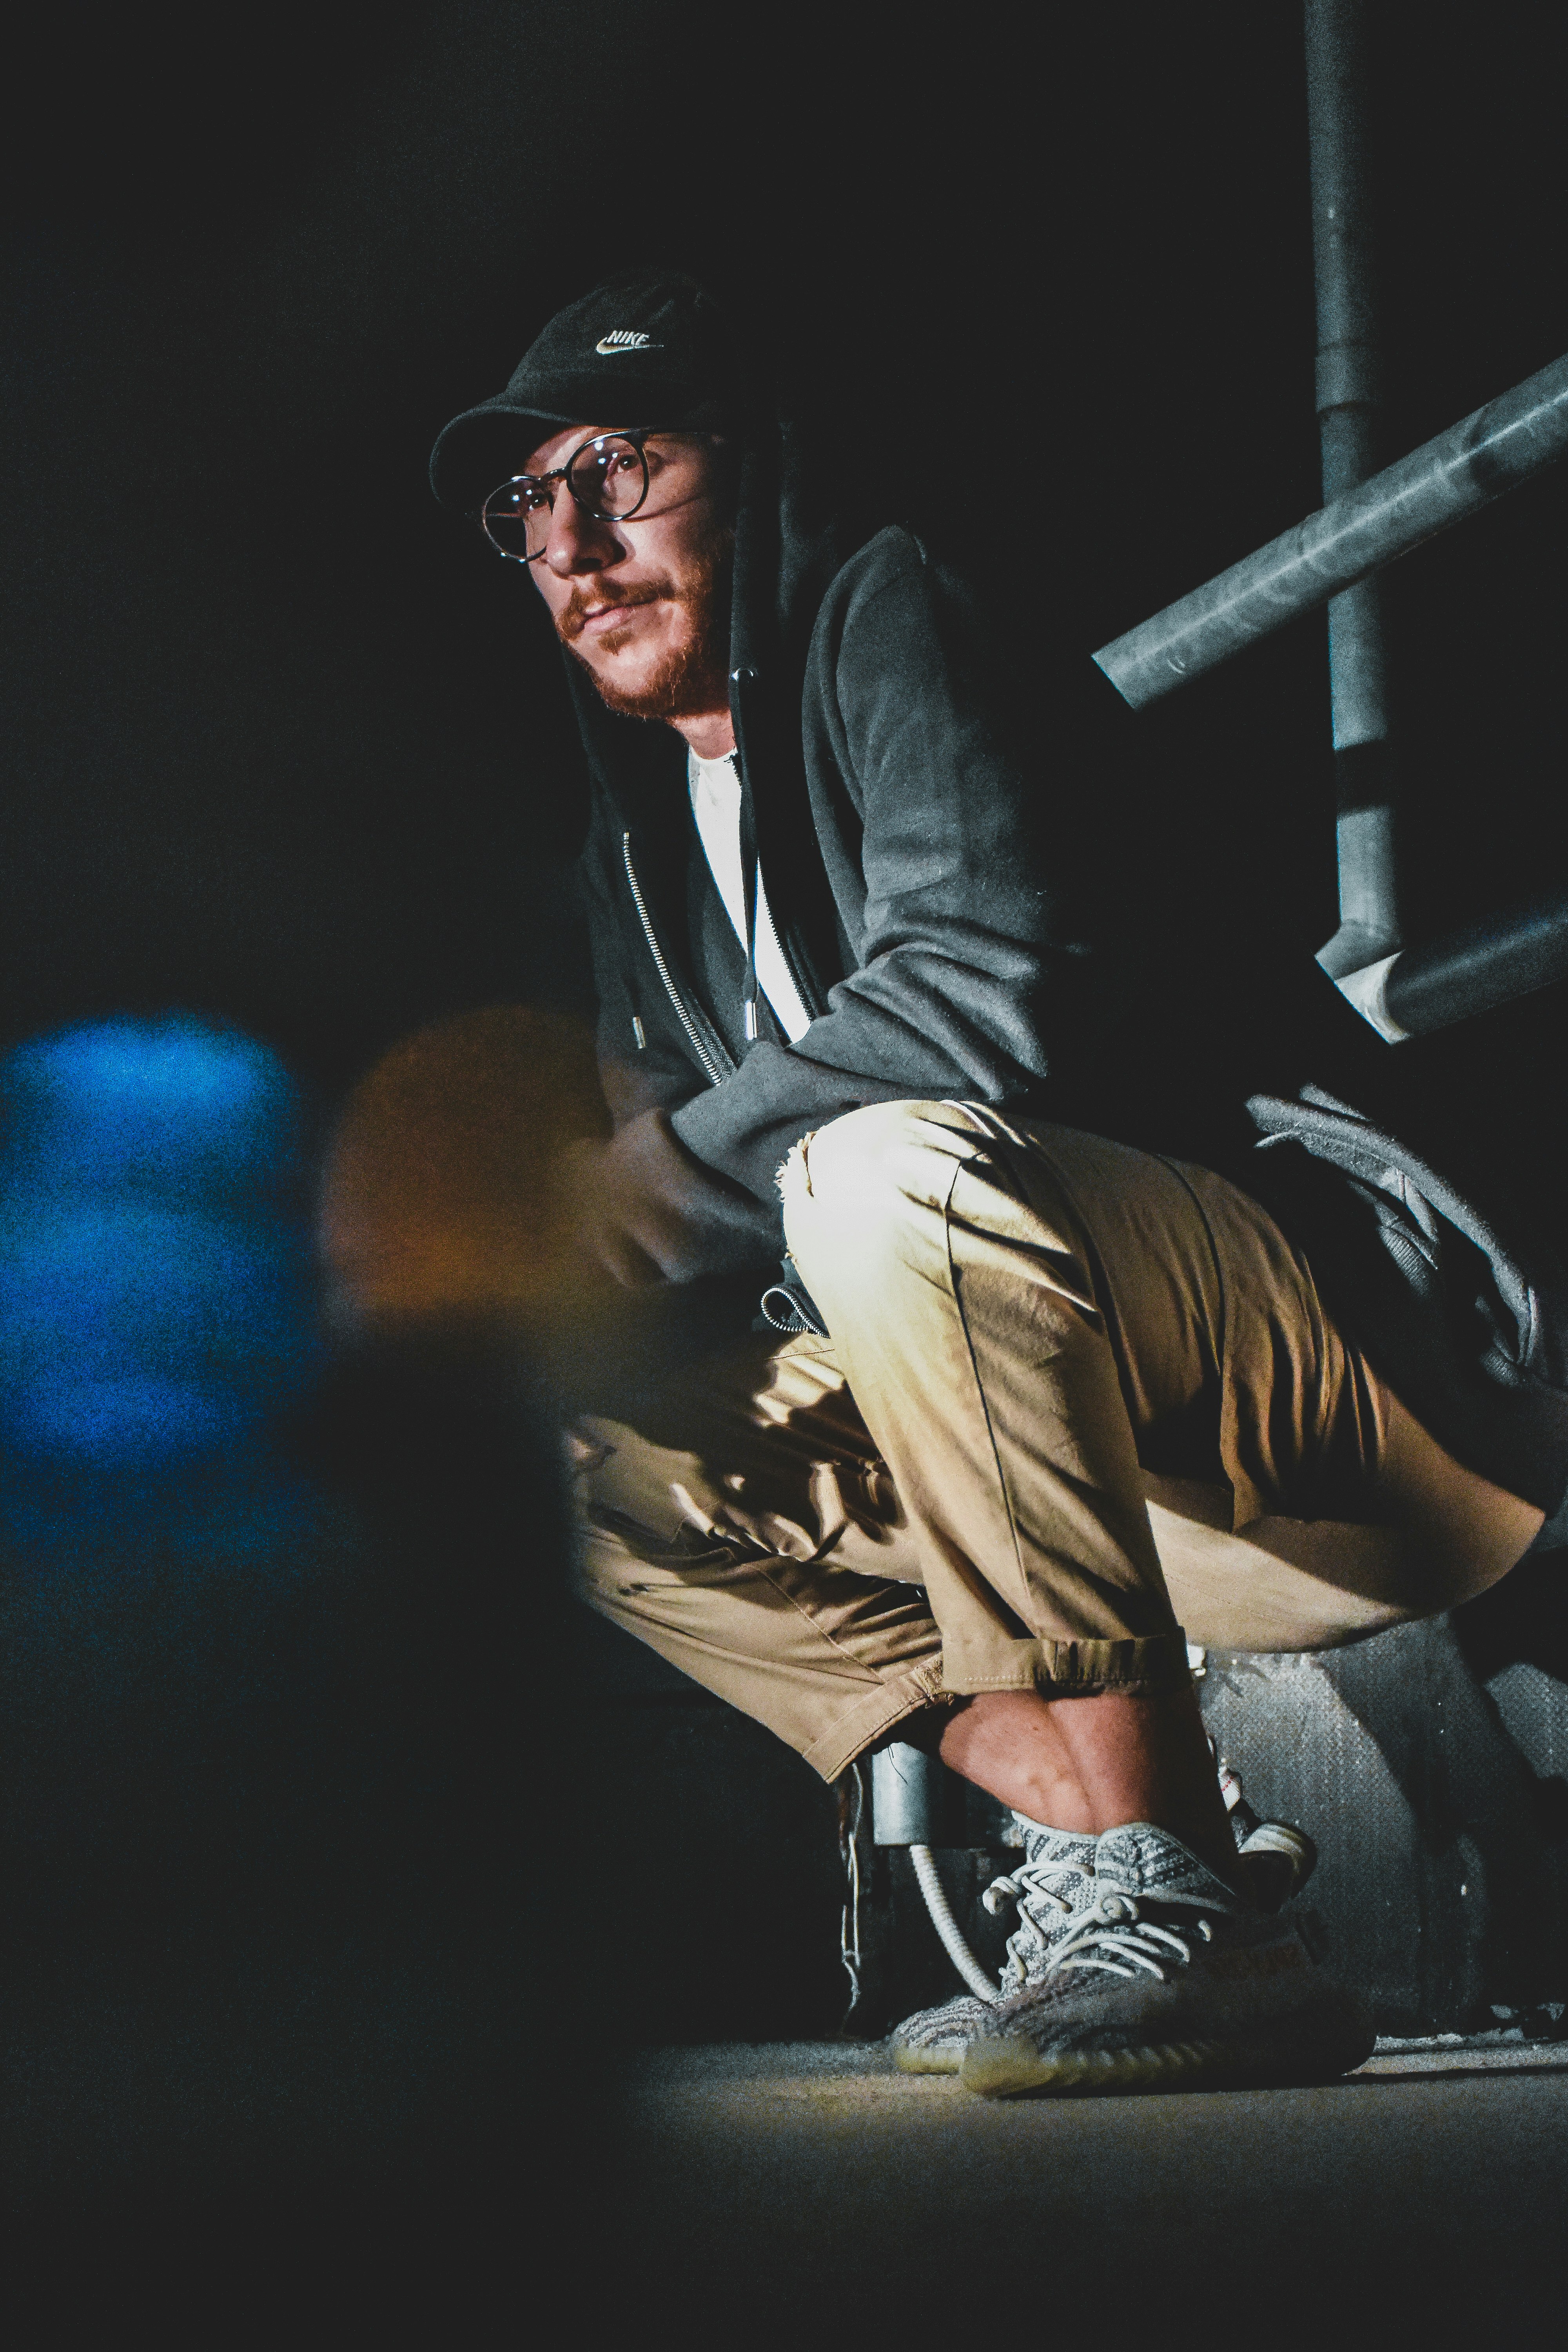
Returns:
(636, 435)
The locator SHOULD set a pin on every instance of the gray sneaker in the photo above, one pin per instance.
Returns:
(1165, 1981)
(1049, 1885)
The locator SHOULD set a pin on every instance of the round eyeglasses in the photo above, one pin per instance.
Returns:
(607, 477)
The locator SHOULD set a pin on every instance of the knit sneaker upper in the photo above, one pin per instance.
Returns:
(1049, 1885)
(1162, 1975)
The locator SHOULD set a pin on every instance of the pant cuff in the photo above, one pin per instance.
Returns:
(1156, 1663)
(862, 1726)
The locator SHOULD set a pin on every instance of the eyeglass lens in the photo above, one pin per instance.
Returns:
(608, 479)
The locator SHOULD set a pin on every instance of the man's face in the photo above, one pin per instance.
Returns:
(640, 602)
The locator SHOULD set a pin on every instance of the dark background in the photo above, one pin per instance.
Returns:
(285, 748)
(284, 742)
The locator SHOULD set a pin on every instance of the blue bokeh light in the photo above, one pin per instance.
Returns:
(155, 1291)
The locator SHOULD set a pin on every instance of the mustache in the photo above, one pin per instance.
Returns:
(573, 618)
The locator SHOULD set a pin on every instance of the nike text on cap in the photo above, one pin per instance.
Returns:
(648, 349)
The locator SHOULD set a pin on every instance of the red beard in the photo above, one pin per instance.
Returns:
(693, 678)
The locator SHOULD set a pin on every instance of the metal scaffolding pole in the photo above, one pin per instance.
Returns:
(1467, 971)
(1368, 520)
(1349, 393)
(1439, 484)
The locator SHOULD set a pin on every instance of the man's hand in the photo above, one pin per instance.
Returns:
(643, 1208)
(614, 1220)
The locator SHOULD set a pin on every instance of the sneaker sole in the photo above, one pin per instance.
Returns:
(935, 2060)
(1010, 2069)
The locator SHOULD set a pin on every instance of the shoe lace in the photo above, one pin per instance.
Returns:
(1041, 1907)
(1113, 1934)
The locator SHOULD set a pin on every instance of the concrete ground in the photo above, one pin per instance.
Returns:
(811, 2186)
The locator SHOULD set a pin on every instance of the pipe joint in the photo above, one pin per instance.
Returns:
(1349, 375)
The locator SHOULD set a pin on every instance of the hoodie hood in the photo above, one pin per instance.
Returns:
(651, 349)
(789, 543)
(657, 348)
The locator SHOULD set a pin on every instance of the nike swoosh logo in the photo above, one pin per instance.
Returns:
(610, 351)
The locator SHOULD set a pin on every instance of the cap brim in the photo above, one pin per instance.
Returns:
(484, 447)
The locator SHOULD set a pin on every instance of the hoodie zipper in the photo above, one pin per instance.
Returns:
(715, 1075)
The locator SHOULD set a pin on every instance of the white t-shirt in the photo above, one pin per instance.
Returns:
(716, 805)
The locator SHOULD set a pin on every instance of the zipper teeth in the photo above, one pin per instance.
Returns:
(715, 1075)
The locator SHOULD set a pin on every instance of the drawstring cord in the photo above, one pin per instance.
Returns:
(750, 1019)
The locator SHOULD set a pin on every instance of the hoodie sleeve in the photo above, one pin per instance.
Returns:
(635, 1077)
(958, 853)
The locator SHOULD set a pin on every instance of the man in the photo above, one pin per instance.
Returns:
(1034, 1402)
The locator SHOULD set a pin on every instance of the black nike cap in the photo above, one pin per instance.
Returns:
(652, 349)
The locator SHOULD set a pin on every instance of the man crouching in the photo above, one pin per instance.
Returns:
(893, 1048)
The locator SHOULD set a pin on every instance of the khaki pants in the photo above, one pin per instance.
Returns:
(1080, 1406)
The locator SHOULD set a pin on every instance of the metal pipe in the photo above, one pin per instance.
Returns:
(1348, 395)
(1485, 964)
(915, 1800)
(1445, 480)
(1349, 367)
